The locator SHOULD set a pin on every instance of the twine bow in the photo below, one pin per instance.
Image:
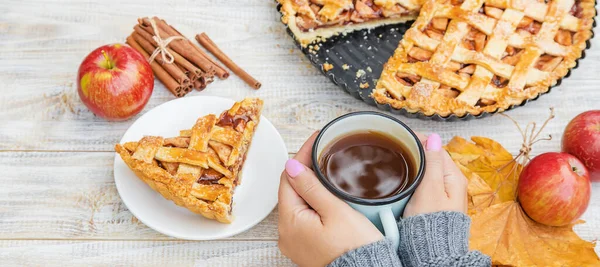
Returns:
(161, 45)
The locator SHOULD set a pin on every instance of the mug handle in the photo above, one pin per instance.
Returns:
(390, 226)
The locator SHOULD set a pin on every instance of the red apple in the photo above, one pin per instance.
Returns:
(115, 82)
(582, 140)
(554, 189)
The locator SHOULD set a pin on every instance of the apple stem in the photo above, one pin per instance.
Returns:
(108, 63)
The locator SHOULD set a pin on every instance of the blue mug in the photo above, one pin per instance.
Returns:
(382, 212)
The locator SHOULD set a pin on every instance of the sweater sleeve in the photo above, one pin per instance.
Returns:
(378, 254)
(438, 239)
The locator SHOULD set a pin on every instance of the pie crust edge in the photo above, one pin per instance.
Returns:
(321, 34)
(460, 109)
(177, 188)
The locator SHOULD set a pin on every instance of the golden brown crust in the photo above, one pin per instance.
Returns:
(197, 177)
(328, 22)
(173, 188)
(524, 81)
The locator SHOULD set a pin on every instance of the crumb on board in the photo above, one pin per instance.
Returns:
(363, 85)
(327, 66)
(360, 73)
(369, 69)
(345, 67)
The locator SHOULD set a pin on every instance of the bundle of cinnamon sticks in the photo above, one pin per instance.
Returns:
(187, 66)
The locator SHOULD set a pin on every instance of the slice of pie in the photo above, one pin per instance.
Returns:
(317, 20)
(200, 168)
(474, 56)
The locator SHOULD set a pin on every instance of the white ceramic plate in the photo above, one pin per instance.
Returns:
(253, 200)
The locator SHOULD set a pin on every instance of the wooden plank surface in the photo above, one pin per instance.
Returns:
(58, 202)
(72, 195)
(140, 253)
(40, 109)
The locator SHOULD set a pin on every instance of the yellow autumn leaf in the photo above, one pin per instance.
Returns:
(490, 161)
(499, 227)
(493, 150)
(480, 193)
(463, 151)
(510, 237)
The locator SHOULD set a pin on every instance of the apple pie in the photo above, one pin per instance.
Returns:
(200, 168)
(472, 56)
(314, 20)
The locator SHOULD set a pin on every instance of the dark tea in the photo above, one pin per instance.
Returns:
(368, 165)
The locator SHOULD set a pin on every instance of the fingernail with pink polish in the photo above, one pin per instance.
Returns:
(434, 142)
(293, 167)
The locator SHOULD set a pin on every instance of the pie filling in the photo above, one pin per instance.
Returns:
(312, 18)
(200, 168)
(238, 122)
(476, 40)
(210, 176)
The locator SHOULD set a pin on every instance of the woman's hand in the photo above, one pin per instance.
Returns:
(316, 227)
(443, 188)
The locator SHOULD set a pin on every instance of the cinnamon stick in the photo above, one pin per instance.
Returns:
(207, 43)
(171, 68)
(199, 85)
(188, 88)
(178, 58)
(163, 76)
(180, 46)
(186, 72)
(220, 71)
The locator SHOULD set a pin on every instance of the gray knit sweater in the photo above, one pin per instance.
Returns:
(434, 239)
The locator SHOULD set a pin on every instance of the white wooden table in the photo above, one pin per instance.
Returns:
(58, 201)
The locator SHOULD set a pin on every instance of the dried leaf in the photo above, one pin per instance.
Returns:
(480, 193)
(490, 161)
(501, 176)
(499, 226)
(463, 151)
(510, 237)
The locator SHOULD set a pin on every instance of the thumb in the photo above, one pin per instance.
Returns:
(434, 170)
(454, 181)
(308, 186)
